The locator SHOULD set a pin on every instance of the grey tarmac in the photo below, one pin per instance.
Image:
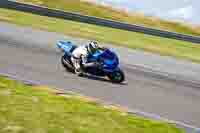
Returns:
(159, 85)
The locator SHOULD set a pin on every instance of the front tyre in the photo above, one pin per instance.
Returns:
(117, 76)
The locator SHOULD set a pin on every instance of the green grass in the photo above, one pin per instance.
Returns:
(162, 46)
(26, 109)
(86, 8)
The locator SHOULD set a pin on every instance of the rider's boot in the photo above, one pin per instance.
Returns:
(79, 72)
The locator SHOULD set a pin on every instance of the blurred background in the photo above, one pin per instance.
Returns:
(178, 10)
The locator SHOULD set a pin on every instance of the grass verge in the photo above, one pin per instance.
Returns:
(88, 8)
(162, 46)
(32, 109)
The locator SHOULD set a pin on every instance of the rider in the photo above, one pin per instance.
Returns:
(80, 56)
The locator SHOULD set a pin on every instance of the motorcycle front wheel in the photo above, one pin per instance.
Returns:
(117, 76)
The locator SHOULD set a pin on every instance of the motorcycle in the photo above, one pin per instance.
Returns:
(108, 62)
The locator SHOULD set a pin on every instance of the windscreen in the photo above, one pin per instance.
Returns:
(107, 54)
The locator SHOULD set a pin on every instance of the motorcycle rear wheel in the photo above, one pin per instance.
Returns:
(67, 64)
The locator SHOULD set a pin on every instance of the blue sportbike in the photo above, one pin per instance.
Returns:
(108, 62)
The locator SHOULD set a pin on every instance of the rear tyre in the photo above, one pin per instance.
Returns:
(67, 64)
(117, 76)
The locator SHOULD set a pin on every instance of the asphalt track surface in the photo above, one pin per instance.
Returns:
(144, 90)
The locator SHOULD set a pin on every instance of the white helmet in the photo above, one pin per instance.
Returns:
(92, 47)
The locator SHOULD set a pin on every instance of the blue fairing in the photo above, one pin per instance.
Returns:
(65, 46)
(108, 59)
